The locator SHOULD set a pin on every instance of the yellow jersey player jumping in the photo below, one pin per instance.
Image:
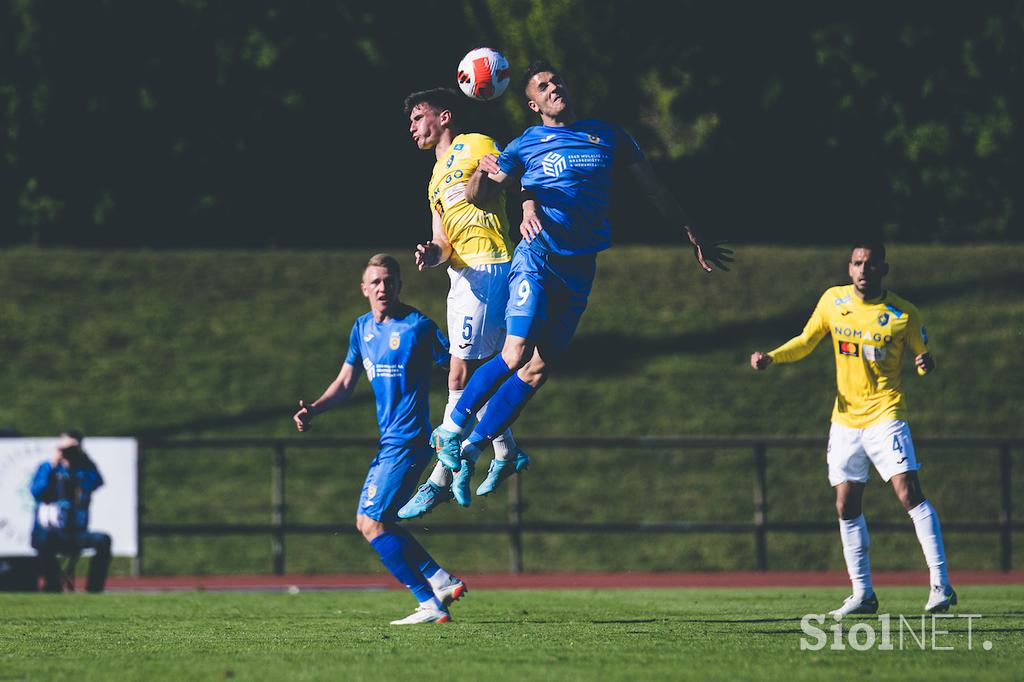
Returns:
(475, 244)
(871, 328)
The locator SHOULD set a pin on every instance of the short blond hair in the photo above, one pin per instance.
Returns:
(386, 261)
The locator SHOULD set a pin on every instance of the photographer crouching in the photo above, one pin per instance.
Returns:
(63, 489)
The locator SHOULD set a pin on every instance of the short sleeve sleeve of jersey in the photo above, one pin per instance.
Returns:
(627, 150)
(509, 160)
(354, 357)
(488, 146)
(917, 336)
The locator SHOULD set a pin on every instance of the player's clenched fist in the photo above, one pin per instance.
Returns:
(759, 360)
(924, 363)
(489, 164)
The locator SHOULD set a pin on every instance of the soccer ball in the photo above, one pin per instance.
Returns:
(483, 73)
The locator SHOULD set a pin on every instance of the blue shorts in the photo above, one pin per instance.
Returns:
(547, 294)
(391, 480)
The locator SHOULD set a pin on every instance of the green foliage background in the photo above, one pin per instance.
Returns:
(204, 122)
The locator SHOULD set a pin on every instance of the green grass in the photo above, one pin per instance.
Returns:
(202, 343)
(497, 635)
(223, 343)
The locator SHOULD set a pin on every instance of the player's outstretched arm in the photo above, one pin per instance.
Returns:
(438, 250)
(707, 254)
(335, 394)
(798, 347)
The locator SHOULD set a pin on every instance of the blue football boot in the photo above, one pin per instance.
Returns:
(460, 488)
(448, 448)
(423, 502)
(502, 469)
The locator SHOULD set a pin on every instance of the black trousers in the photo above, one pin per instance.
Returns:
(52, 543)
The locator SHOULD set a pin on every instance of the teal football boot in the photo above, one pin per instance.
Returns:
(448, 448)
(502, 469)
(460, 488)
(424, 501)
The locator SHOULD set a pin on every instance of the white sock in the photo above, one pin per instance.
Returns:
(439, 579)
(453, 397)
(929, 534)
(504, 445)
(854, 533)
(471, 452)
(432, 604)
(440, 476)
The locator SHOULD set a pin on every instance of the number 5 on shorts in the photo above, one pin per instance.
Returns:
(524, 292)
(467, 328)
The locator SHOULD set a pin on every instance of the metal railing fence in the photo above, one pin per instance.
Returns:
(515, 525)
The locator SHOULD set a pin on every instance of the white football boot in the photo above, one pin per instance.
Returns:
(940, 599)
(424, 614)
(856, 604)
(451, 592)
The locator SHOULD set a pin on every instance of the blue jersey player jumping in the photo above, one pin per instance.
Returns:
(565, 166)
(398, 347)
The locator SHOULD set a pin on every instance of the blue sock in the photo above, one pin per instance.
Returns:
(417, 554)
(502, 409)
(484, 382)
(393, 548)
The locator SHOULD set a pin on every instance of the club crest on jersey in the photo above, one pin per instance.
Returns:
(371, 491)
(848, 348)
(883, 319)
(593, 138)
(395, 341)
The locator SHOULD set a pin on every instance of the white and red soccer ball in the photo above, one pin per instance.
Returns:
(483, 73)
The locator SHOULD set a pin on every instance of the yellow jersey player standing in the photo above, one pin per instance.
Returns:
(871, 328)
(475, 244)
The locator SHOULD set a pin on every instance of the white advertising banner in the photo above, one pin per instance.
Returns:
(114, 506)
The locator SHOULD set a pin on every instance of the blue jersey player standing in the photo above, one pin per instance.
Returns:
(398, 347)
(565, 166)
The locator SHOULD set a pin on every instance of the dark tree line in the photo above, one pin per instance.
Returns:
(258, 123)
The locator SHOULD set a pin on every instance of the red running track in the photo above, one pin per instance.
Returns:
(552, 581)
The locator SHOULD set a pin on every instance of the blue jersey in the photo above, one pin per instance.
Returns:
(569, 169)
(398, 356)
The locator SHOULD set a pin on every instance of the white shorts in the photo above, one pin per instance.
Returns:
(476, 310)
(887, 445)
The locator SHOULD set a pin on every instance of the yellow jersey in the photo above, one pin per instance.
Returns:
(477, 236)
(868, 338)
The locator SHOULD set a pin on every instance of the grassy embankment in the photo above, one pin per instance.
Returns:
(203, 343)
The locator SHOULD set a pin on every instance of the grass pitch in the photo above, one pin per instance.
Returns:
(554, 635)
